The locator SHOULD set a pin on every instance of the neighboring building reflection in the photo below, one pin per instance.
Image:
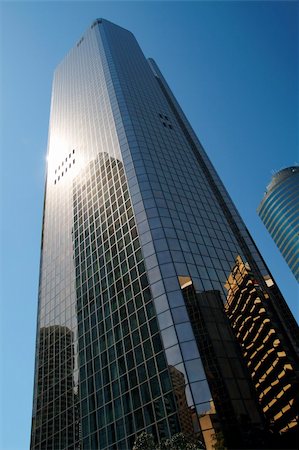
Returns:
(233, 412)
(194, 424)
(57, 417)
(264, 348)
(184, 411)
(210, 427)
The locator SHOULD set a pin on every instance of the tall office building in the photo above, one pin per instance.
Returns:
(253, 322)
(279, 211)
(139, 244)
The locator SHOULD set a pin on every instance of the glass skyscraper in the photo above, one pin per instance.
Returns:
(279, 211)
(143, 317)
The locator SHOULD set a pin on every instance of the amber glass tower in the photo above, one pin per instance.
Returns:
(136, 330)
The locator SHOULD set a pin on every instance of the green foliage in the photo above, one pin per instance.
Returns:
(144, 441)
(178, 441)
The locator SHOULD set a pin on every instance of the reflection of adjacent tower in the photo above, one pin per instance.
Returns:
(235, 413)
(56, 411)
(184, 411)
(190, 420)
(265, 349)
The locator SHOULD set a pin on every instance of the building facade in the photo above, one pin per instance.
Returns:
(139, 241)
(256, 328)
(279, 211)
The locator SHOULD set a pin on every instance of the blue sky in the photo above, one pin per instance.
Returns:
(233, 67)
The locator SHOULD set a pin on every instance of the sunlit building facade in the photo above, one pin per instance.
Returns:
(256, 327)
(139, 241)
(279, 211)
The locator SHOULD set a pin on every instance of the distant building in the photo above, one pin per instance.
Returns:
(279, 211)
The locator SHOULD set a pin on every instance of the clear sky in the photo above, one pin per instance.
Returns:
(233, 67)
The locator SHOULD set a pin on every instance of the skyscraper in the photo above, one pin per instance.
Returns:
(254, 323)
(279, 211)
(139, 242)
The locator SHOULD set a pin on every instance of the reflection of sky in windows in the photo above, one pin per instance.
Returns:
(189, 350)
(169, 337)
(173, 355)
(184, 332)
(201, 392)
(165, 320)
(180, 315)
(195, 370)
